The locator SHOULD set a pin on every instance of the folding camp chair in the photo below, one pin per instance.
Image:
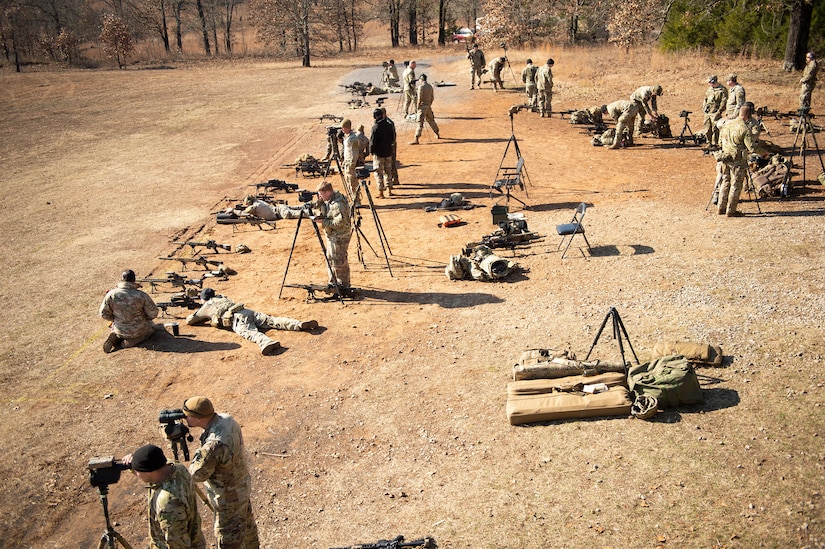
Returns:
(573, 228)
(510, 177)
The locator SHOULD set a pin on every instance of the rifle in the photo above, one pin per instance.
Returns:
(500, 241)
(174, 279)
(203, 262)
(209, 245)
(397, 542)
(276, 184)
(179, 300)
(234, 219)
(328, 117)
(568, 112)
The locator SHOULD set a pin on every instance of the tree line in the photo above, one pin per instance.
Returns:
(45, 31)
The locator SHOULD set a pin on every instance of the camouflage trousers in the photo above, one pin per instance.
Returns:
(476, 72)
(350, 178)
(545, 101)
(382, 165)
(640, 118)
(425, 114)
(246, 322)
(711, 131)
(235, 527)
(409, 100)
(730, 187)
(394, 166)
(624, 125)
(338, 255)
(532, 94)
(805, 96)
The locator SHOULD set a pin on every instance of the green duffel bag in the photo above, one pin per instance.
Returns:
(671, 379)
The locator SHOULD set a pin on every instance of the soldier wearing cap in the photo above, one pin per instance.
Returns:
(477, 64)
(352, 146)
(736, 139)
(408, 76)
(382, 138)
(222, 312)
(174, 522)
(808, 80)
(130, 311)
(425, 109)
(528, 76)
(736, 97)
(645, 99)
(713, 106)
(333, 214)
(623, 112)
(392, 74)
(220, 463)
(496, 66)
(544, 88)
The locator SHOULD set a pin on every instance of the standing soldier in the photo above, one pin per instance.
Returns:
(220, 463)
(409, 87)
(645, 99)
(736, 97)
(528, 76)
(808, 81)
(477, 64)
(394, 161)
(351, 148)
(381, 139)
(333, 214)
(130, 311)
(544, 86)
(425, 110)
(174, 521)
(737, 142)
(623, 112)
(496, 66)
(713, 106)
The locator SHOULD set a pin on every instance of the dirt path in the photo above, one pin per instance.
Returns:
(391, 417)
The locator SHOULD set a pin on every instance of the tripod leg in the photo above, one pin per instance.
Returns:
(598, 335)
(620, 324)
(122, 541)
(752, 189)
(291, 250)
(329, 265)
(382, 236)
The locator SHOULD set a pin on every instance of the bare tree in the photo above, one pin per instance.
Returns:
(286, 24)
(394, 8)
(116, 39)
(204, 27)
(799, 30)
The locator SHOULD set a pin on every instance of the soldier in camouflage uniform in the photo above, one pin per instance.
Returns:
(392, 73)
(623, 112)
(496, 66)
(222, 312)
(713, 106)
(645, 99)
(174, 522)
(351, 148)
(333, 214)
(737, 141)
(544, 86)
(426, 96)
(220, 463)
(528, 76)
(808, 80)
(408, 76)
(736, 97)
(130, 311)
(477, 64)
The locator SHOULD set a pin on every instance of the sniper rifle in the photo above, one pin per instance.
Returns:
(209, 245)
(203, 262)
(174, 279)
(278, 184)
(180, 300)
(397, 542)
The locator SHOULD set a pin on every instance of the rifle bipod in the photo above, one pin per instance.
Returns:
(618, 331)
(338, 289)
(356, 226)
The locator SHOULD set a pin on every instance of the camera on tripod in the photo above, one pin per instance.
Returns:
(104, 471)
(685, 114)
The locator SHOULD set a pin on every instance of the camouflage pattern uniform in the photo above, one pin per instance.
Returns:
(363, 146)
(174, 522)
(130, 311)
(245, 322)
(409, 88)
(352, 146)
(338, 229)
(220, 463)
(263, 210)
(392, 72)
(544, 86)
(645, 99)
(736, 141)
(736, 98)
(477, 64)
(528, 76)
(623, 112)
(382, 145)
(425, 110)
(808, 82)
(496, 66)
(716, 98)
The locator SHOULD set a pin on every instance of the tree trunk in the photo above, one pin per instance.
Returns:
(204, 28)
(799, 30)
(230, 11)
(178, 7)
(441, 14)
(164, 27)
(395, 36)
(306, 7)
(413, 22)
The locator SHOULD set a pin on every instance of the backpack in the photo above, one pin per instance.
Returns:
(662, 127)
(670, 379)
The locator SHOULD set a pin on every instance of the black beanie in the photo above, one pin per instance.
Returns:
(207, 294)
(148, 458)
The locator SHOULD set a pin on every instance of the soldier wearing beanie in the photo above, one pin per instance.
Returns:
(130, 311)
(220, 463)
(716, 99)
(174, 521)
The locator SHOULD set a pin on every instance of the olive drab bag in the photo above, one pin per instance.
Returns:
(671, 379)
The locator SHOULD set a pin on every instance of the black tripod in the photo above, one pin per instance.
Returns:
(803, 129)
(507, 60)
(359, 234)
(110, 537)
(686, 130)
(305, 213)
(753, 193)
(618, 331)
(335, 155)
(502, 170)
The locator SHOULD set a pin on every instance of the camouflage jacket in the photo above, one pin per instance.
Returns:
(544, 77)
(425, 95)
(735, 138)
(220, 463)
(336, 216)
(129, 310)
(212, 311)
(619, 108)
(476, 58)
(262, 209)
(409, 78)
(715, 99)
(645, 98)
(809, 76)
(528, 74)
(174, 522)
(736, 98)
